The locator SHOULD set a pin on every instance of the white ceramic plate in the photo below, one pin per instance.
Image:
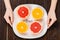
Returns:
(28, 34)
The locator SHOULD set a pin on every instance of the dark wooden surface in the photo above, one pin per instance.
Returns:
(6, 32)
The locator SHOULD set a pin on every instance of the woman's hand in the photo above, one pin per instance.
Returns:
(51, 18)
(9, 16)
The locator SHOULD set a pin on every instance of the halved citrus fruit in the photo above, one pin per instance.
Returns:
(22, 27)
(23, 12)
(37, 13)
(35, 27)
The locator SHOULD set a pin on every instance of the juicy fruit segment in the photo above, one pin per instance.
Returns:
(22, 27)
(35, 27)
(23, 12)
(37, 13)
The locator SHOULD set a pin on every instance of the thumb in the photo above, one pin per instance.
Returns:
(50, 23)
(8, 20)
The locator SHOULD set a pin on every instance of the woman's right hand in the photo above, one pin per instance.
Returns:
(9, 16)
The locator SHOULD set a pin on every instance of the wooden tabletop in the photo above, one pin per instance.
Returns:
(6, 32)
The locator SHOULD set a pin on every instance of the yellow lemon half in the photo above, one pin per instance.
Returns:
(22, 27)
(37, 13)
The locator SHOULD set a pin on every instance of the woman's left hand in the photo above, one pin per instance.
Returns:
(51, 18)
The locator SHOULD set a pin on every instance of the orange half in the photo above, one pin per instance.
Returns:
(37, 13)
(22, 27)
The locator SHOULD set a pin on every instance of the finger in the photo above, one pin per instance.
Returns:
(50, 24)
(12, 18)
(48, 21)
(7, 20)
